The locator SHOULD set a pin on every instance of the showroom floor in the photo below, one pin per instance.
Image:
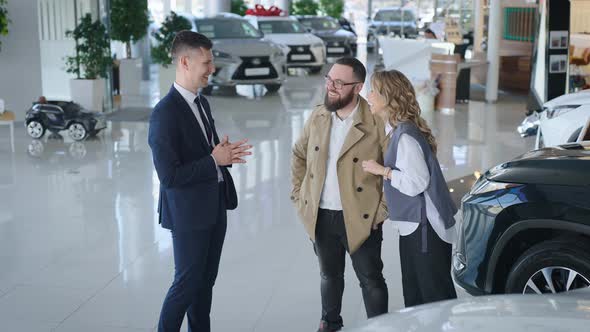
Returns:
(81, 250)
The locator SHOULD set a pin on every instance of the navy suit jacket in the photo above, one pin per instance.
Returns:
(189, 189)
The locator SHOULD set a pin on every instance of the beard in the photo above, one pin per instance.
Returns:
(338, 103)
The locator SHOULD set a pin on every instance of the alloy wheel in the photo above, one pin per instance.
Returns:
(555, 279)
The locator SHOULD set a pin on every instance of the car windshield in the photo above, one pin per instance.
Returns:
(394, 16)
(219, 29)
(323, 23)
(270, 27)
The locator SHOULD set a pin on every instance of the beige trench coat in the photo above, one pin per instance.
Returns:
(361, 193)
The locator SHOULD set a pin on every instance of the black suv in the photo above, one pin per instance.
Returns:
(63, 115)
(526, 225)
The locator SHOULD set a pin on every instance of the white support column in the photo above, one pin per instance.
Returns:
(494, 35)
(167, 7)
(283, 4)
(188, 6)
(478, 24)
(218, 6)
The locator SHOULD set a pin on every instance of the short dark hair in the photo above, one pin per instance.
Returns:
(430, 31)
(358, 69)
(187, 39)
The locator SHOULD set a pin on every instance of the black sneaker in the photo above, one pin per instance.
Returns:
(326, 326)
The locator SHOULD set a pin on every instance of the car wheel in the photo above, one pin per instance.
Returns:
(370, 49)
(550, 267)
(208, 90)
(77, 131)
(272, 88)
(35, 129)
(315, 70)
(77, 150)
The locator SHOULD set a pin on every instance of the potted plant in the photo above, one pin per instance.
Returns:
(129, 23)
(3, 20)
(90, 64)
(161, 52)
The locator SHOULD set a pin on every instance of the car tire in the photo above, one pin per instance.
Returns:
(77, 131)
(370, 49)
(554, 260)
(315, 70)
(208, 90)
(272, 88)
(35, 129)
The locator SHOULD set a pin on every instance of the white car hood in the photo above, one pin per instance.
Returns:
(539, 313)
(578, 98)
(293, 38)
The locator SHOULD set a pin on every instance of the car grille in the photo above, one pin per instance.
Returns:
(300, 50)
(255, 62)
(384, 30)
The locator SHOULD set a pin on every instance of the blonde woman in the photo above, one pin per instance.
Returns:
(417, 196)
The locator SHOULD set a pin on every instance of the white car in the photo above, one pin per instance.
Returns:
(565, 119)
(540, 313)
(302, 47)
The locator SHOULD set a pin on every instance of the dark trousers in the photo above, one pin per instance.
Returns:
(426, 276)
(196, 260)
(330, 246)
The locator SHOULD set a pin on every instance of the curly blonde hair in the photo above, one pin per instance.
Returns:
(400, 99)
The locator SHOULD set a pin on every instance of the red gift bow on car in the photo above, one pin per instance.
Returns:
(259, 10)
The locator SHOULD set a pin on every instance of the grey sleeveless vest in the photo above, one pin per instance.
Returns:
(413, 209)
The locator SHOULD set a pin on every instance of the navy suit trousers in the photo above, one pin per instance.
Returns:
(196, 259)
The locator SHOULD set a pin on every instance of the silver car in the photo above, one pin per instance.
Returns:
(241, 54)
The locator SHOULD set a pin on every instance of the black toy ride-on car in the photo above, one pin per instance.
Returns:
(56, 116)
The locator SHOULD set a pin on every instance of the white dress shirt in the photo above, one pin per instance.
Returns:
(330, 199)
(413, 179)
(189, 97)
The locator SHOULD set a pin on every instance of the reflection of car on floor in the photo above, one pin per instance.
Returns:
(304, 49)
(55, 116)
(45, 150)
(565, 119)
(338, 41)
(511, 313)
(526, 225)
(241, 54)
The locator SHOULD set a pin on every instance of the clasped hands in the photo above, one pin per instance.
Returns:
(226, 153)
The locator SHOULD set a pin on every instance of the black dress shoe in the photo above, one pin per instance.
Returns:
(326, 326)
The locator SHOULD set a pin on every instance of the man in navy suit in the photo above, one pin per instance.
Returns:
(196, 188)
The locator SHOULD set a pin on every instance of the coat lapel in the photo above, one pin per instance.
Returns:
(190, 117)
(355, 134)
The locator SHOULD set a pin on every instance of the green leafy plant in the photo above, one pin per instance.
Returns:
(4, 20)
(165, 36)
(333, 8)
(304, 7)
(92, 59)
(238, 7)
(129, 21)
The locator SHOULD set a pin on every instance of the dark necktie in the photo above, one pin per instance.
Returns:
(205, 121)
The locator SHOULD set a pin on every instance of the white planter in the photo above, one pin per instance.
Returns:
(130, 76)
(88, 93)
(166, 79)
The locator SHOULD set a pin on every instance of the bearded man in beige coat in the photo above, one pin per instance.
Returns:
(342, 206)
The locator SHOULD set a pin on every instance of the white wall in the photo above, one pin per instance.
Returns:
(20, 58)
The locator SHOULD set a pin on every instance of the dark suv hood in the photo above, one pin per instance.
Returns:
(567, 165)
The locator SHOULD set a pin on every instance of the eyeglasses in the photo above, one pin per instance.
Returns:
(337, 84)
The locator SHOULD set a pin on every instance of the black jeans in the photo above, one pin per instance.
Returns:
(330, 246)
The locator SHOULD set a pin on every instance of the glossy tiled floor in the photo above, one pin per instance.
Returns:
(80, 248)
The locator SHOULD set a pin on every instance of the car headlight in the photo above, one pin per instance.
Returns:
(560, 110)
(221, 55)
(485, 186)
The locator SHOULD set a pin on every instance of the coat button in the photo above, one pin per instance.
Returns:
(359, 189)
(366, 216)
(355, 160)
(305, 202)
(311, 176)
(317, 148)
(292, 198)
